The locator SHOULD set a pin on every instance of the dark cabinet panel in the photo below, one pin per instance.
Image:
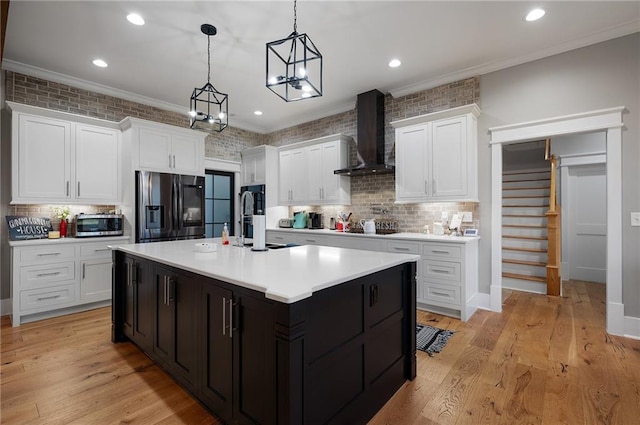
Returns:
(175, 334)
(216, 386)
(138, 299)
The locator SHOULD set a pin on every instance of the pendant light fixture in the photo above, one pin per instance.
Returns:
(209, 108)
(294, 66)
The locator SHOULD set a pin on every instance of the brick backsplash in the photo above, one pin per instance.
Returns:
(378, 190)
(46, 210)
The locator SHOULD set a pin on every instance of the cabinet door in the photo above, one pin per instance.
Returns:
(44, 160)
(285, 170)
(138, 300)
(217, 353)
(95, 280)
(248, 168)
(412, 181)
(315, 186)
(449, 158)
(299, 176)
(175, 341)
(97, 156)
(254, 354)
(154, 150)
(187, 155)
(331, 181)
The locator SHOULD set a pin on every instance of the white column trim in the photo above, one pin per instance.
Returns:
(605, 119)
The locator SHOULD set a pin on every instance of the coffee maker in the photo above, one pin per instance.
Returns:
(315, 221)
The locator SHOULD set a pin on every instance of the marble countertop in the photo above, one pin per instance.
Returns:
(46, 241)
(422, 237)
(286, 275)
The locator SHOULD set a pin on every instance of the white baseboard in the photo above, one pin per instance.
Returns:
(632, 327)
(483, 301)
(6, 307)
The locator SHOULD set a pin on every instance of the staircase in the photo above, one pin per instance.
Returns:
(525, 200)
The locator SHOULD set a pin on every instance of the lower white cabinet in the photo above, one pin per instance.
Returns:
(56, 277)
(447, 273)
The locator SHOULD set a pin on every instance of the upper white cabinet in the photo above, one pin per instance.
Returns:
(436, 156)
(255, 162)
(164, 148)
(306, 172)
(65, 158)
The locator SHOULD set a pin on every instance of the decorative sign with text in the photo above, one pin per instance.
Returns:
(23, 227)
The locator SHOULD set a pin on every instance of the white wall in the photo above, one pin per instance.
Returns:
(595, 77)
(5, 189)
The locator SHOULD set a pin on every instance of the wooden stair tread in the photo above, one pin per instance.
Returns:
(537, 238)
(526, 226)
(515, 248)
(524, 215)
(526, 188)
(524, 262)
(525, 206)
(525, 180)
(524, 277)
(524, 197)
(526, 172)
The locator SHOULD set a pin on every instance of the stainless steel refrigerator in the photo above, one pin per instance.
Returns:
(169, 207)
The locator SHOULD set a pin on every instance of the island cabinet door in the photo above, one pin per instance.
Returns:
(138, 302)
(175, 341)
(216, 384)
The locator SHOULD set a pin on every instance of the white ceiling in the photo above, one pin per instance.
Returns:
(161, 62)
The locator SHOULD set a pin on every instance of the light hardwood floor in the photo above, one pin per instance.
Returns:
(543, 360)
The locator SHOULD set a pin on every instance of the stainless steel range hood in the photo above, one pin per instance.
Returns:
(370, 110)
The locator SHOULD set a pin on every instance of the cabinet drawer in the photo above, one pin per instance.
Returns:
(46, 254)
(404, 247)
(440, 293)
(278, 237)
(444, 251)
(311, 240)
(50, 297)
(442, 271)
(44, 274)
(98, 250)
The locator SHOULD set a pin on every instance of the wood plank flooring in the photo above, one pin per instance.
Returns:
(543, 360)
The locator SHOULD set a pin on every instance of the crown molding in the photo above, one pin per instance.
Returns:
(598, 37)
(57, 77)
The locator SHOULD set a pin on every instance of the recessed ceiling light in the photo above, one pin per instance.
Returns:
(394, 63)
(100, 63)
(534, 15)
(135, 19)
(257, 112)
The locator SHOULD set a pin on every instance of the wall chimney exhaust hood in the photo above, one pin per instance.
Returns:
(370, 110)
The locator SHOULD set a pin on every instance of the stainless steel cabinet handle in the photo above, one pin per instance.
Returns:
(224, 316)
(174, 161)
(435, 251)
(231, 318)
(440, 271)
(101, 249)
(78, 190)
(53, 297)
(48, 253)
(164, 284)
(128, 269)
(320, 192)
(67, 187)
(399, 248)
(426, 187)
(48, 274)
(84, 269)
(169, 161)
(171, 284)
(433, 187)
(440, 294)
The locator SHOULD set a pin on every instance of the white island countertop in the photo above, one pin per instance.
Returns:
(286, 275)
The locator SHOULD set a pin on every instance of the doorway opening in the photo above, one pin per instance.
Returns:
(218, 202)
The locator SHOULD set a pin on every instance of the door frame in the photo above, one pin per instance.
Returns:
(609, 120)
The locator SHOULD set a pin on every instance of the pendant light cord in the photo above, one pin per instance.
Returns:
(295, 16)
(208, 59)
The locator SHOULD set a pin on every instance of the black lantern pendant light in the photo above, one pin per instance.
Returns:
(294, 66)
(209, 108)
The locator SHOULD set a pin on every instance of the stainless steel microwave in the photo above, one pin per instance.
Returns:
(88, 225)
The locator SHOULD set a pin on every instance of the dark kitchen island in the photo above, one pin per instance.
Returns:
(303, 335)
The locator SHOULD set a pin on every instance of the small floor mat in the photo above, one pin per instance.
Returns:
(431, 340)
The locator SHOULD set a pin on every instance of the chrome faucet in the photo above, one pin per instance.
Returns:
(246, 210)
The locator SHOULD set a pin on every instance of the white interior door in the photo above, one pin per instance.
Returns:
(587, 218)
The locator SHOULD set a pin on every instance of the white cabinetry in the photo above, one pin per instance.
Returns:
(254, 164)
(292, 185)
(63, 158)
(164, 148)
(306, 172)
(436, 156)
(55, 277)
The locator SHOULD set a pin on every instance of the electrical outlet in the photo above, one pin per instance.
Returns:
(635, 219)
(467, 216)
